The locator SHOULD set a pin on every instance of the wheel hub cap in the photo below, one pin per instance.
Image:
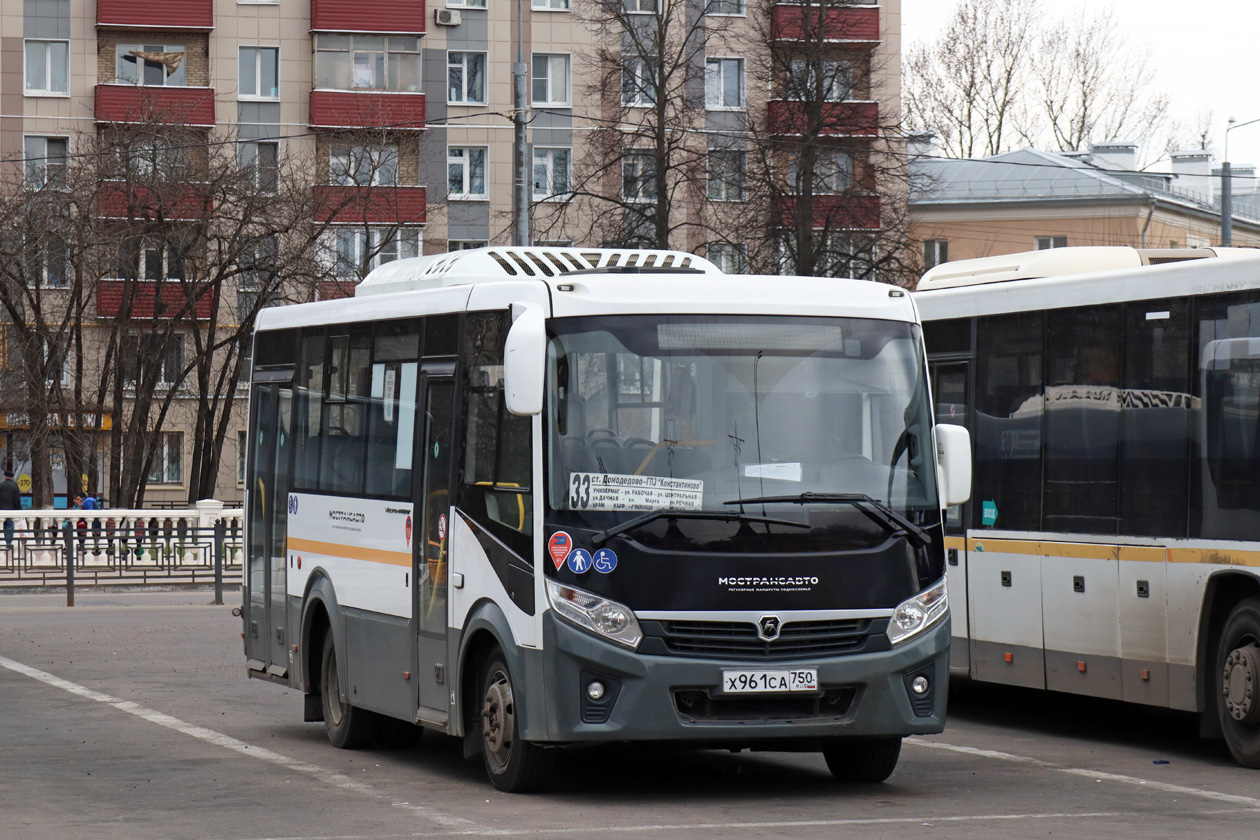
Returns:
(496, 720)
(1242, 668)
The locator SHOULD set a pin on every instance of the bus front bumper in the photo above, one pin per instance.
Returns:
(669, 698)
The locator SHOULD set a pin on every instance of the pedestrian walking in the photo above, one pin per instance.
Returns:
(10, 499)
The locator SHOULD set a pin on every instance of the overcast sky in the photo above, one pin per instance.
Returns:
(1206, 56)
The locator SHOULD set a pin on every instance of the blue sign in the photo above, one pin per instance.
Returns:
(579, 560)
(988, 512)
(605, 560)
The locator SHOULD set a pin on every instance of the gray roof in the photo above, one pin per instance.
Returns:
(1028, 175)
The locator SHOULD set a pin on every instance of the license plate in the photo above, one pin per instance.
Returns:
(767, 682)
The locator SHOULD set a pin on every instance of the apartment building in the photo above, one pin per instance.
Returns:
(400, 115)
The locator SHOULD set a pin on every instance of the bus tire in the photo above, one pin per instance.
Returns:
(866, 762)
(513, 764)
(349, 727)
(1237, 681)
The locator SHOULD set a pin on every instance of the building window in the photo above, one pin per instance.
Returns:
(466, 172)
(151, 64)
(551, 84)
(935, 252)
(727, 7)
(151, 358)
(637, 87)
(466, 4)
(820, 81)
(150, 259)
(466, 78)
(45, 260)
(167, 466)
(550, 5)
(153, 157)
(638, 176)
(465, 244)
(47, 68)
(833, 173)
(551, 173)
(724, 83)
(641, 7)
(357, 250)
(731, 258)
(367, 62)
(257, 266)
(259, 72)
(45, 161)
(363, 166)
(57, 361)
(1045, 243)
(261, 162)
(727, 168)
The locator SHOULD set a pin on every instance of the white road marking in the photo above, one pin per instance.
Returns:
(227, 742)
(1234, 799)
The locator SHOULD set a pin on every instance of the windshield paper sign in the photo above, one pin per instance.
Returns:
(610, 491)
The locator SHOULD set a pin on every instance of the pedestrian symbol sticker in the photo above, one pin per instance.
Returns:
(579, 560)
(559, 547)
(605, 560)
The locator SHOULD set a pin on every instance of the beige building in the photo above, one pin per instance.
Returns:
(415, 100)
(1027, 200)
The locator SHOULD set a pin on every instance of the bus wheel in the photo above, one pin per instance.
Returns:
(513, 765)
(348, 727)
(862, 762)
(1238, 682)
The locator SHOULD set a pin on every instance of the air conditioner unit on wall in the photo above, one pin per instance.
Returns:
(446, 17)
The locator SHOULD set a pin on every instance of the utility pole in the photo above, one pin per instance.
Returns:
(520, 186)
(1227, 186)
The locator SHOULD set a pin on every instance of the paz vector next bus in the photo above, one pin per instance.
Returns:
(544, 497)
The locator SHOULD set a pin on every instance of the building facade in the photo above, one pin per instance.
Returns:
(767, 118)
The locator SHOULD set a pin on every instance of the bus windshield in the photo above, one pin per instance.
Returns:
(693, 413)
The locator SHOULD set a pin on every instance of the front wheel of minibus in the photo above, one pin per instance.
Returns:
(513, 764)
(869, 761)
(348, 727)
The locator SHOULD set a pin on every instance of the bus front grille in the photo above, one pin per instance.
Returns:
(740, 640)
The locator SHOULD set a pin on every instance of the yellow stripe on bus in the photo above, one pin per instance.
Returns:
(351, 552)
(1102, 551)
(1216, 556)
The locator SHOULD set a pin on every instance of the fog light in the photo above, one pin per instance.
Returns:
(595, 690)
(919, 685)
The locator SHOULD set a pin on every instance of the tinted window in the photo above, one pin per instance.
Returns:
(1007, 432)
(309, 408)
(952, 336)
(392, 408)
(1156, 414)
(346, 410)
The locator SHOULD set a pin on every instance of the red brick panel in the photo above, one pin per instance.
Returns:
(355, 109)
(336, 289)
(179, 299)
(169, 105)
(833, 212)
(837, 119)
(156, 14)
(839, 23)
(397, 16)
(371, 205)
(174, 202)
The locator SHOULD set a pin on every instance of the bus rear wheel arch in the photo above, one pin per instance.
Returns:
(513, 764)
(1236, 678)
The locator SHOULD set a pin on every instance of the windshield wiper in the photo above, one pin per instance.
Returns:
(601, 537)
(874, 509)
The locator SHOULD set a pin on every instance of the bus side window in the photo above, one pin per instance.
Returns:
(497, 464)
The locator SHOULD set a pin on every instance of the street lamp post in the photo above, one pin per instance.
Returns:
(1227, 187)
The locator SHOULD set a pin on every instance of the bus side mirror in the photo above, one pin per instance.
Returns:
(525, 360)
(953, 460)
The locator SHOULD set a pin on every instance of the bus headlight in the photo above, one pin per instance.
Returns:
(609, 619)
(918, 613)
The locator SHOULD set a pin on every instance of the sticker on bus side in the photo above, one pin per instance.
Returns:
(612, 491)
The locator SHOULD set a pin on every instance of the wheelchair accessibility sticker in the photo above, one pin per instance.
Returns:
(605, 560)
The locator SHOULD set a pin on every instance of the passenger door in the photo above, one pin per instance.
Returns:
(951, 395)
(431, 548)
(270, 479)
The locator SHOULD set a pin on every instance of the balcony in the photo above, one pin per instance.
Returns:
(367, 109)
(370, 205)
(153, 202)
(156, 14)
(147, 299)
(835, 119)
(840, 24)
(399, 17)
(139, 104)
(832, 212)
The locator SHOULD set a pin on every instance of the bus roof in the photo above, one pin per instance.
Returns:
(1108, 278)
